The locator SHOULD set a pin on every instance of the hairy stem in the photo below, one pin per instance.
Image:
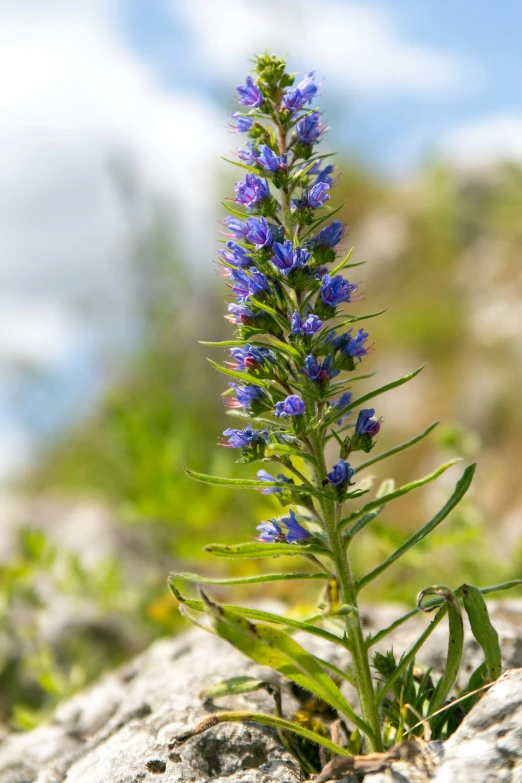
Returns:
(360, 660)
(288, 222)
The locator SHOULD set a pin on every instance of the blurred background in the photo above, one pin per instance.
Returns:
(114, 117)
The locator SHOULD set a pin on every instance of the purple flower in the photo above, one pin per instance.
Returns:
(249, 93)
(329, 236)
(309, 128)
(241, 439)
(250, 357)
(317, 195)
(309, 326)
(235, 255)
(366, 425)
(352, 346)
(344, 400)
(294, 99)
(270, 532)
(286, 257)
(264, 476)
(296, 532)
(243, 123)
(292, 406)
(340, 474)
(315, 371)
(308, 87)
(336, 290)
(238, 228)
(250, 284)
(324, 175)
(251, 191)
(245, 395)
(247, 153)
(239, 314)
(258, 232)
(266, 158)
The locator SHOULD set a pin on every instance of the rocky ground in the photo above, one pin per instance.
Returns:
(119, 730)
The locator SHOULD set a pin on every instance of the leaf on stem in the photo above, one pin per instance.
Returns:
(461, 488)
(397, 449)
(483, 630)
(247, 580)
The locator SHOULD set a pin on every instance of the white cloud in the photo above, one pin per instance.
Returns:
(485, 142)
(72, 96)
(351, 44)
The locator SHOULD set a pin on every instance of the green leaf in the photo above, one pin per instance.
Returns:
(272, 647)
(252, 169)
(483, 630)
(257, 717)
(343, 263)
(237, 483)
(396, 449)
(388, 387)
(234, 686)
(242, 376)
(267, 617)
(233, 211)
(247, 580)
(256, 550)
(318, 222)
(459, 492)
(385, 489)
(455, 643)
(404, 490)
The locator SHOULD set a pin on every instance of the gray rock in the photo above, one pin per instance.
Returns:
(118, 731)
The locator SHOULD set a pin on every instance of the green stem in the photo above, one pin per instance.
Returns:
(285, 193)
(348, 588)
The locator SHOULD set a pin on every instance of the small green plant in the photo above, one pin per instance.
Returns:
(291, 344)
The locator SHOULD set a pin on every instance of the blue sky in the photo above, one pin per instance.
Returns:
(152, 81)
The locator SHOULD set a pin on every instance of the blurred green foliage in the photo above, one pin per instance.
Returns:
(444, 254)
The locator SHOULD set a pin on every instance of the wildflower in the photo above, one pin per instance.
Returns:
(239, 314)
(247, 285)
(241, 439)
(317, 195)
(263, 475)
(235, 255)
(237, 228)
(330, 236)
(340, 474)
(352, 346)
(309, 326)
(258, 232)
(251, 357)
(322, 176)
(270, 532)
(296, 532)
(309, 128)
(315, 371)
(308, 87)
(246, 395)
(344, 400)
(247, 153)
(249, 93)
(266, 158)
(293, 405)
(286, 257)
(294, 99)
(336, 290)
(243, 122)
(366, 425)
(251, 191)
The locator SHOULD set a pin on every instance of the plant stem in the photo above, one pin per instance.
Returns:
(360, 660)
(285, 194)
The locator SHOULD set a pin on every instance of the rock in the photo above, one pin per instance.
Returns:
(119, 730)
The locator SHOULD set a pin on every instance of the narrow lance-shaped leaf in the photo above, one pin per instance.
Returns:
(242, 376)
(483, 630)
(404, 490)
(256, 550)
(343, 263)
(266, 617)
(455, 643)
(272, 647)
(337, 414)
(254, 484)
(459, 492)
(248, 580)
(256, 717)
(384, 490)
(397, 449)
